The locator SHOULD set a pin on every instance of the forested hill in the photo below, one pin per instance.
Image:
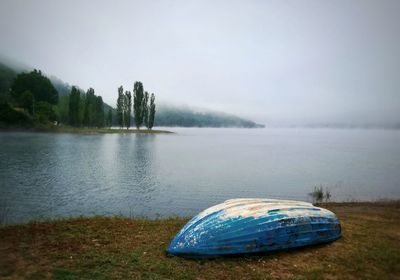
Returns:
(166, 115)
(7, 75)
(64, 90)
(170, 115)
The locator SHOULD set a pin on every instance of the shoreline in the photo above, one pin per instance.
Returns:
(81, 130)
(124, 248)
(42, 220)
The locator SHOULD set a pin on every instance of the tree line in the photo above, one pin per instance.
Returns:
(35, 95)
(87, 109)
(31, 98)
(144, 107)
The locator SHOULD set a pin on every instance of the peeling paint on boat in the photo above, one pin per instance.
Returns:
(249, 225)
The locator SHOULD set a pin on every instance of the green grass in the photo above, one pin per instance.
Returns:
(122, 248)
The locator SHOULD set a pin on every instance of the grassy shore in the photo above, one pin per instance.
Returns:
(121, 248)
(83, 130)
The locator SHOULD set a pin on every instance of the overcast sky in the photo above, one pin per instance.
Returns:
(271, 61)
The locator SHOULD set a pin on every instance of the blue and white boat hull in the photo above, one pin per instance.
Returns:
(245, 225)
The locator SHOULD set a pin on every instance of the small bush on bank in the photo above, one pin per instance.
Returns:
(318, 195)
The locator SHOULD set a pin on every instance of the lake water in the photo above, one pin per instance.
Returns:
(47, 175)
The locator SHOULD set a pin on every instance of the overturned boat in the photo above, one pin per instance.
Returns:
(242, 226)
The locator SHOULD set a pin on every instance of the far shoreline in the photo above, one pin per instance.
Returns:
(84, 130)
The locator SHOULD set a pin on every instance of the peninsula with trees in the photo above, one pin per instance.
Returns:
(31, 100)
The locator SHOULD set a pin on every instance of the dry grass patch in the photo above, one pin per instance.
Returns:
(120, 248)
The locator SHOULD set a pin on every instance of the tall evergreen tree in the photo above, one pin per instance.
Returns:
(88, 109)
(74, 105)
(120, 107)
(82, 106)
(138, 103)
(85, 120)
(145, 109)
(99, 112)
(152, 110)
(92, 110)
(128, 109)
(109, 118)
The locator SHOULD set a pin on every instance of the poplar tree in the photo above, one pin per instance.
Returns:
(128, 109)
(74, 106)
(120, 107)
(138, 103)
(85, 120)
(145, 109)
(109, 118)
(88, 114)
(99, 112)
(93, 110)
(152, 110)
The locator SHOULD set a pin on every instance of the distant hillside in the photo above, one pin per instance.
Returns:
(166, 115)
(169, 115)
(64, 89)
(7, 75)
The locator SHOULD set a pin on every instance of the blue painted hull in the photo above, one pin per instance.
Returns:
(242, 226)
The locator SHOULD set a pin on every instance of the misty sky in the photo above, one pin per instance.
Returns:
(271, 61)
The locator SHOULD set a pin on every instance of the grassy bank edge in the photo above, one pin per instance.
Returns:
(134, 248)
(181, 219)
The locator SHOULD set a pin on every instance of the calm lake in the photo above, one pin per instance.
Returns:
(46, 175)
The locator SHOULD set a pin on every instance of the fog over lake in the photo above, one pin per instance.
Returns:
(60, 175)
(280, 62)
